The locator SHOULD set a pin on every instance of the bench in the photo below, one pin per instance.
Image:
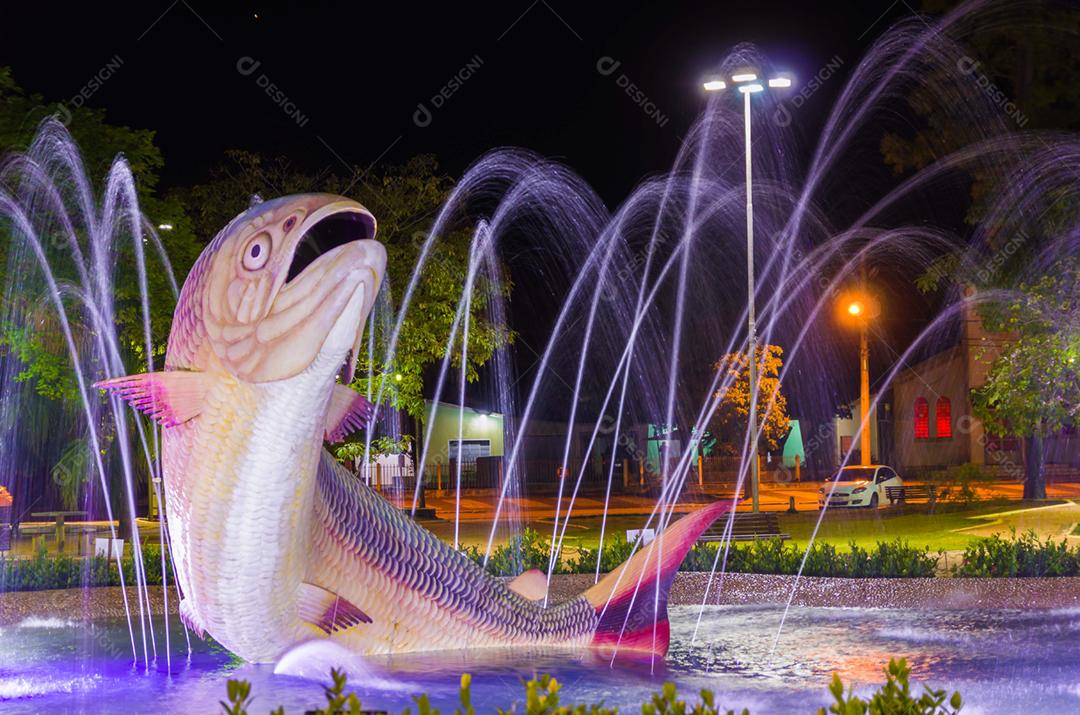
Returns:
(924, 492)
(38, 531)
(747, 526)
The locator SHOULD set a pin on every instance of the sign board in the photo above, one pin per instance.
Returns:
(647, 535)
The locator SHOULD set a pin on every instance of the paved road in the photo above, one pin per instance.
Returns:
(773, 497)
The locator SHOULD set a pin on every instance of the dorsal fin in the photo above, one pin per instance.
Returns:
(328, 611)
(170, 397)
(349, 411)
(531, 584)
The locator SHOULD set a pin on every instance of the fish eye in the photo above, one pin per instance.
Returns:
(257, 252)
(289, 223)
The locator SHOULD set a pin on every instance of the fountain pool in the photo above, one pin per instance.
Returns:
(1001, 661)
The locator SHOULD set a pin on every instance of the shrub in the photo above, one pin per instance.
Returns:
(46, 571)
(527, 550)
(895, 559)
(542, 698)
(892, 697)
(892, 559)
(1019, 556)
(616, 550)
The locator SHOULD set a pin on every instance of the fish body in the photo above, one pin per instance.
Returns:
(274, 542)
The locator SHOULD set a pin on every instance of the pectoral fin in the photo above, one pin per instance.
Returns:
(349, 412)
(327, 611)
(171, 397)
(532, 584)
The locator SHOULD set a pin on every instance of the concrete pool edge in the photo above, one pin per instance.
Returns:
(739, 589)
(935, 592)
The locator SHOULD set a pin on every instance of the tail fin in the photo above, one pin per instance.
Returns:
(632, 600)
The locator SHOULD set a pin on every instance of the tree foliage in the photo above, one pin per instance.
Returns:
(99, 143)
(1033, 386)
(404, 199)
(729, 422)
(1024, 63)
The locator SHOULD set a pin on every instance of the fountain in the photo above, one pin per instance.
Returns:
(638, 298)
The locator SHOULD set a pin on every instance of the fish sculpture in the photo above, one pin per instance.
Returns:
(274, 543)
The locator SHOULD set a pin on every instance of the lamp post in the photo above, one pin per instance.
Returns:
(859, 308)
(747, 83)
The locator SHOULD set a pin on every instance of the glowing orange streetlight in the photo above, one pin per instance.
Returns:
(858, 308)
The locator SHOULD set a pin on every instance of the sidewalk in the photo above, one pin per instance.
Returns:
(773, 497)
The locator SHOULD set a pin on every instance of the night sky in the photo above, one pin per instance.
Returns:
(372, 84)
(354, 76)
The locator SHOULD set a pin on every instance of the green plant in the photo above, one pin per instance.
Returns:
(336, 700)
(893, 559)
(379, 446)
(542, 698)
(46, 571)
(71, 471)
(423, 705)
(1031, 388)
(666, 702)
(1025, 555)
(525, 551)
(616, 550)
(894, 697)
(238, 697)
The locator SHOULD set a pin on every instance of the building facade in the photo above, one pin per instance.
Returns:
(468, 432)
(934, 423)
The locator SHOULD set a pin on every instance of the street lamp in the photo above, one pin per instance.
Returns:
(857, 308)
(747, 83)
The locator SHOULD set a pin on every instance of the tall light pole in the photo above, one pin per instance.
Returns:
(747, 83)
(859, 308)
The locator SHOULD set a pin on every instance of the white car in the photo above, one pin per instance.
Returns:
(859, 486)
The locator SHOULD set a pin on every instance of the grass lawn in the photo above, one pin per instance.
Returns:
(942, 530)
(949, 528)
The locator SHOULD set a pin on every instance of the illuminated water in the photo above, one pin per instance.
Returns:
(1001, 661)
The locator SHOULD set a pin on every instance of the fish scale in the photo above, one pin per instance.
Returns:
(359, 529)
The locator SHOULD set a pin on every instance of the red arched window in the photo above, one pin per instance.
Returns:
(922, 418)
(943, 417)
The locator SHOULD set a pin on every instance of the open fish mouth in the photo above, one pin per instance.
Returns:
(335, 239)
(329, 233)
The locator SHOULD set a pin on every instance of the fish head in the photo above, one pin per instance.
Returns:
(288, 281)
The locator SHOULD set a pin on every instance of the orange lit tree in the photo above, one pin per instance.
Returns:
(729, 422)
